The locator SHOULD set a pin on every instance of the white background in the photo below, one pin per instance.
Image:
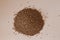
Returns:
(50, 10)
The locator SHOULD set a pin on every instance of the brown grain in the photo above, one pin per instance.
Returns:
(28, 21)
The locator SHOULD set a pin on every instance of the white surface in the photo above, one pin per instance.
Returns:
(51, 30)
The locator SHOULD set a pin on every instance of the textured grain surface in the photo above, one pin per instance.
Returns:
(28, 21)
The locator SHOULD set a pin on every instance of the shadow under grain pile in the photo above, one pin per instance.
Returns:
(28, 21)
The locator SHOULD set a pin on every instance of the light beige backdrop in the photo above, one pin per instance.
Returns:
(50, 10)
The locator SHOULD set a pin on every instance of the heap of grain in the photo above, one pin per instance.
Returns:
(28, 21)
